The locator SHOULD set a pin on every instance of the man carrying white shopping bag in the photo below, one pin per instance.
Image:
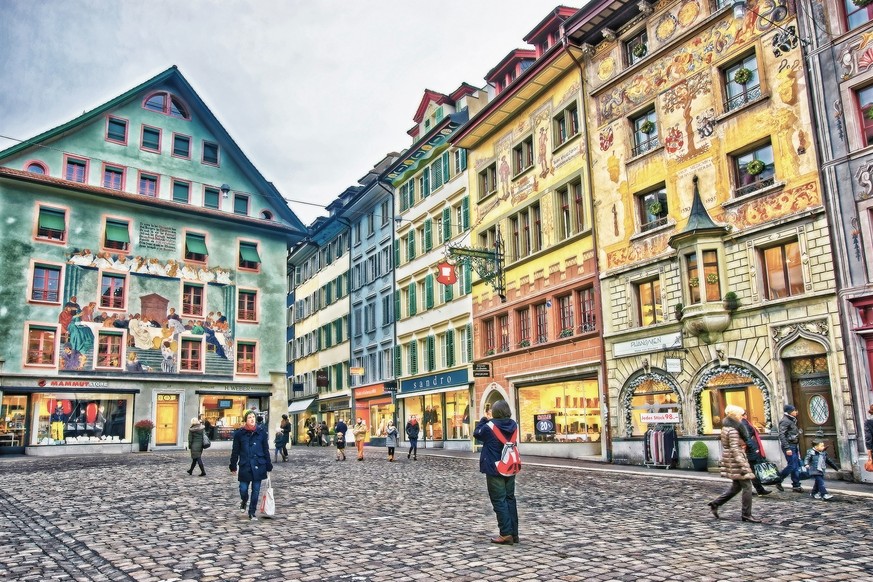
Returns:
(267, 503)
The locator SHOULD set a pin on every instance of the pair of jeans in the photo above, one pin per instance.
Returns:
(501, 491)
(792, 468)
(413, 447)
(256, 493)
(818, 485)
(744, 485)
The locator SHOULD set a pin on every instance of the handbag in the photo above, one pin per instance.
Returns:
(868, 466)
(766, 472)
(206, 442)
(267, 503)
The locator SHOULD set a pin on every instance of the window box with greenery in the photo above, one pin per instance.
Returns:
(699, 456)
(489, 352)
(524, 343)
(567, 332)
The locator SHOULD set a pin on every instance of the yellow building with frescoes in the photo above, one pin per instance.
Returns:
(713, 244)
(538, 346)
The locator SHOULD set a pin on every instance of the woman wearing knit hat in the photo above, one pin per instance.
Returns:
(251, 454)
(195, 445)
(789, 440)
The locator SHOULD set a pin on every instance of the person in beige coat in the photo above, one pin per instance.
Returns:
(360, 432)
(734, 464)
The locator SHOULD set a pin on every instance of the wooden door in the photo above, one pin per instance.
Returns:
(167, 419)
(811, 388)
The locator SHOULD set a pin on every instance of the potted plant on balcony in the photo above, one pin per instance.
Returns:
(699, 455)
(490, 352)
(647, 126)
(731, 301)
(755, 167)
(144, 429)
(742, 75)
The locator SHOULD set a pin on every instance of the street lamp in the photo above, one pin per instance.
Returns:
(739, 8)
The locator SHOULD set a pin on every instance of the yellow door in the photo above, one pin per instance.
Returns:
(167, 428)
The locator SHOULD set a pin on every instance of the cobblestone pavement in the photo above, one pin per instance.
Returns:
(141, 517)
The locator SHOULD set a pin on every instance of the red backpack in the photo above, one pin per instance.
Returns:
(509, 463)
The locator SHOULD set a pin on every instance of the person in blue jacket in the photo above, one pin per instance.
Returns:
(251, 453)
(501, 489)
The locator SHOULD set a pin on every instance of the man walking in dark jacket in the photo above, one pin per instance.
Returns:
(789, 440)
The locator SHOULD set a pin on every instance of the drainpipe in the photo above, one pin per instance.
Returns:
(607, 434)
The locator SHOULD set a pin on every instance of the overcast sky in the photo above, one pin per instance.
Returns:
(315, 92)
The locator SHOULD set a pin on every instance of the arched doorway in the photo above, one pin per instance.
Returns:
(810, 380)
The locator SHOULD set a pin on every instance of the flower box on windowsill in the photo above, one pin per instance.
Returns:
(524, 344)
(566, 332)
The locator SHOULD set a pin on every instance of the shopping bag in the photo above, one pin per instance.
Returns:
(206, 442)
(267, 503)
(767, 473)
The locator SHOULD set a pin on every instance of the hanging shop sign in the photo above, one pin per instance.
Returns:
(444, 380)
(481, 370)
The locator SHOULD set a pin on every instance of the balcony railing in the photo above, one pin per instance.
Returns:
(754, 186)
(653, 224)
(646, 146)
(747, 96)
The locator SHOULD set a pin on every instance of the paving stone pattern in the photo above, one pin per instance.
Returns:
(141, 517)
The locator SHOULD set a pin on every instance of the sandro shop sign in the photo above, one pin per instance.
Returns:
(444, 380)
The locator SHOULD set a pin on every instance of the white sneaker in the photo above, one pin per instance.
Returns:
(816, 496)
(827, 496)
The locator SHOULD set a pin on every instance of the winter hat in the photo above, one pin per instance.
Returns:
(195, 420)
(788, 409)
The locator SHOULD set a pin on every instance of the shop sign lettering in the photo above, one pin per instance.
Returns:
(233, 388)
(544, 423)
(453, 378)
(76, 384)
(660, 417)
(648, 344)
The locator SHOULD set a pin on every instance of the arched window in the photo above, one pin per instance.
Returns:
(647, 394)
(731, 385)
(37, 168)
(266, 215)
(166, 103)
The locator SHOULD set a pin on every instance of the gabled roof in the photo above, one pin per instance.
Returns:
(551, 22)
(509, 62)
(462, 91)
(438, 98)
(172, 77)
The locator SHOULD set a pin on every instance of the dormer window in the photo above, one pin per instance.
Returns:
(166, 103)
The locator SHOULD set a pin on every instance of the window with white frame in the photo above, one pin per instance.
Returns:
(741, 83)
(565, 124)
(754, 170)
(522, 156)
(488, 181)
(652, 208)
(645, 132)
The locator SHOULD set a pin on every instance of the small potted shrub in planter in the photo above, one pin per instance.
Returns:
(144, 429)
(731, 301)
(677, 311)
(699, 455)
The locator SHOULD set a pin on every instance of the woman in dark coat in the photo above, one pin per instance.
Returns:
(734, 464)
(195, 445)
(251, 453)
(285, 425)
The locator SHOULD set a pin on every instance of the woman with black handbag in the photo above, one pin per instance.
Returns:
(195, 446)
(735, 465)
(754, 451)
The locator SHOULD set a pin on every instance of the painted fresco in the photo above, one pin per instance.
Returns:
(152, 323)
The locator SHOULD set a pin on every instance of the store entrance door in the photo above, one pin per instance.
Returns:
(13, 413)
(811, 389)
(167, 420)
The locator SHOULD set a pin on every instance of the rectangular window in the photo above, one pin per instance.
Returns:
(247, 306)
(741, 83)
(587, 310)
(195, 247)
(503, 324)
(116, 130)
(649, 305)
(151, 139)
(522, 156)
(488, 181)
(645, 130)
(857, 14)
(112, 294)
(41, 346)
(113, 177)
(865, 106)
(191, 355)
(754, 170)
(460, 156)
(489, 337)
(522, 316)
(385, 212)
(211, 198)
(566, 124)
(46, 284)
(52, 224)
(245, 358)
(783, 274)
(565, 310)
(466, 340)
(652, 208)
(148, 185)
(240, 204)
(117, 235)
(525, 232)
(192, 300)
(210, 153)
(706, 280)
(542, 315)
(109, 350)
(76, 170)
(181, 191)
(181, 146)
(636, 48)
(248, 256)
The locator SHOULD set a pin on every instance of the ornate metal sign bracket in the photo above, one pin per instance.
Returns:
(488, 264)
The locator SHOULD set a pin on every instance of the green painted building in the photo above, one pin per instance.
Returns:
(143, 278)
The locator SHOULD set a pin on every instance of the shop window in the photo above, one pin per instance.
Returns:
(703, 280)
(488, 181)
(645, 133)
(563, 412)
(109, 350)
(113, 177)
(116, 235)
(754, 170)
(490, 337)
(865, 106)
(116, 130)
(522, 156)
(46, 284)
(225, 412)
(741, 83)
(112, 291)
(565, 125)
(192, 300)
(248, 256)
(41, 345)
(211, 198)
(652, 208)
(649, 307)
(587, 310)
(542, 322)
(195, 247)
(191, 355)
(458, 414)
(148, 185)
(857, 14)
(151, 139)
(13, 415)
(782, 271)
(731, 388)
(651, 394)
(522, 316)
(79, 417)
(565, 313)
(636, 48)
(245, 358)
(52, 224)
(503, 324)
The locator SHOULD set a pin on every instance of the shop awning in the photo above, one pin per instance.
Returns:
(299, 405)
(249, 253)
(117, 232)
(51, 219)
(196, 244)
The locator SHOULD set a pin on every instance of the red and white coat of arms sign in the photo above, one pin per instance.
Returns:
(447, 275)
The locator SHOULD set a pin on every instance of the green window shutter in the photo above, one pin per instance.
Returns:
(249, 252)
(431, 353)
(463, 159)
(413, 357)
(51, 219)
(425, 183)
(447, 223)
(428, 232)
(115, 231)
(446, 170)
(398, 362)
(465, 213)
(195, 243)
(450, 347)
(396, 252)
(410, 246)
(397, 313)
(428, 292)
(448, 293)
(468, 279)
(412, 302)
(470, 340)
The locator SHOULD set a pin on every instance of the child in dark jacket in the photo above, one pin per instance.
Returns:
(279, 443)
(815, 462)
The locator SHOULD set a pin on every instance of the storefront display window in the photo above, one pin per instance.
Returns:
(458, 414)
(79, 418)
(225, 412)
(12, 417)
(430, 412)
(731, 388)
(563, 412)
(651, 395)
(380, 414)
